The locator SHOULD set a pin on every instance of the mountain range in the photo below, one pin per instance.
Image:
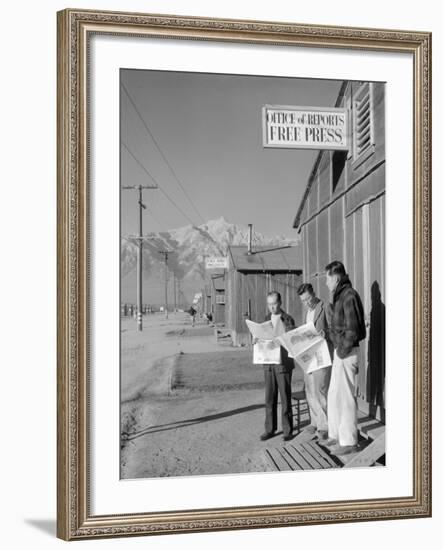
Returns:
(188, 248)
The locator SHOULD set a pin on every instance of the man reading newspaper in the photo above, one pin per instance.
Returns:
(316, 382)
(278, 373)
(347, 329)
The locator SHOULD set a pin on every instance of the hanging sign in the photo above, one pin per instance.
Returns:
(217, 262)
(305, 127)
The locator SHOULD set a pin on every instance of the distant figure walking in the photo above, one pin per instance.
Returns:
(192, 313)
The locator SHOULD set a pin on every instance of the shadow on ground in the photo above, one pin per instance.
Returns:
(191, 421)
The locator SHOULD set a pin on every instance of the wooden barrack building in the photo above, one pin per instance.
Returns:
(250, 276)
(213, 296)
(342, 217)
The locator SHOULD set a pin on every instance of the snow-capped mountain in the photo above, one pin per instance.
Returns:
(188, 246)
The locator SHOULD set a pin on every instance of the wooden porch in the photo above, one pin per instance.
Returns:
(304, 452)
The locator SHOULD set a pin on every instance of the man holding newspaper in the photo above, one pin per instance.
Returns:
(311, 347)
(276, 344)
(316, 381)
(278, 366)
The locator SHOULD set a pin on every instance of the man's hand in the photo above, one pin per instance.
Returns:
(322, 333)
(255, 340)
(273, 344)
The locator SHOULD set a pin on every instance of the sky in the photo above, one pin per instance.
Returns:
(208, 128)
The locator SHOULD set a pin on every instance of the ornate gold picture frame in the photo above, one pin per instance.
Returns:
(74, 517)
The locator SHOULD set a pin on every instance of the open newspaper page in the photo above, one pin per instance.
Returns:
(263, 331)
(307, 347)
(315, 358)
(300, 339)
(266, 350)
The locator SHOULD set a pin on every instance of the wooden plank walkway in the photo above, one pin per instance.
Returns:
(370, 427)
(303, 452)
(367, 456)
(301, 455)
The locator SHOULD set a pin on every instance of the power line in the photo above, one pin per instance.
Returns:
(145, 124)
(172, 170)
(146, 172)
(139, 163)
(160, 188)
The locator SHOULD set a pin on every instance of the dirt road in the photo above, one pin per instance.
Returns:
(189, 405)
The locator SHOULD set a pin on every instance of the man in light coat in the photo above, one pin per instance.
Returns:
(317, 382)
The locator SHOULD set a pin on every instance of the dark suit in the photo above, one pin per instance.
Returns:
(278, 381)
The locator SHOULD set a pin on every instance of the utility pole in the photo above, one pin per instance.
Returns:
(249, 239)
(178, 292)
(139, 239)
(175, 293)
(165, 254)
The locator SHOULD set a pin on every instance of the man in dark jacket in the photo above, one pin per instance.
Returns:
(347, 328)
(278, 377)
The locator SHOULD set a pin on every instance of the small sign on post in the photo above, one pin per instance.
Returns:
(216, 262)
(305, 127)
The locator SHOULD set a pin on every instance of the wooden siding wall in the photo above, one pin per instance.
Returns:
(208, 304)
(218, 310)
(246, 296)
(204, 305)
(344, 219)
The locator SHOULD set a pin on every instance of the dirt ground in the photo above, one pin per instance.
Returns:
(189, 405)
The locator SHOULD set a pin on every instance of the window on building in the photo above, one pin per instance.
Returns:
(363, 130)
(338, 165)
(220, 298)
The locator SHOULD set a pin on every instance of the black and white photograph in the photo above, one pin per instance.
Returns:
(219, 222)
(252, 274)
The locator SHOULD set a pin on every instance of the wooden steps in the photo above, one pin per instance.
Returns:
(371, 448)
(222, 335)
(367, 455)
(306, 455)
(302, 437)
(303, 452)
(370, 427)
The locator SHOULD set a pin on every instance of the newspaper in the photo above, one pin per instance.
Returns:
(263, 331)
(315, 358)
(266, 350)
(300, 339)
(308, 348)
